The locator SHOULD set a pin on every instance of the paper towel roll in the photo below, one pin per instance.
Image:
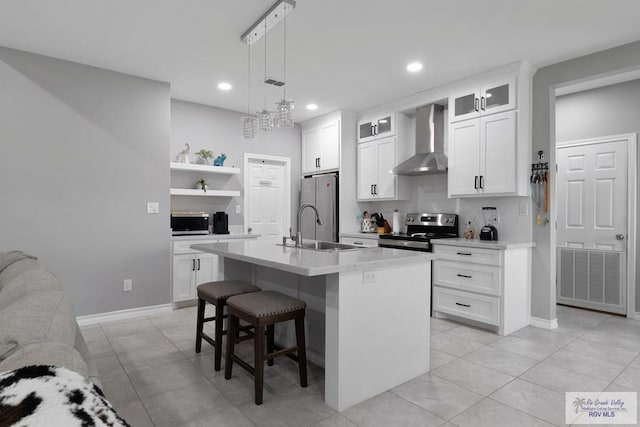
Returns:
(397, 222)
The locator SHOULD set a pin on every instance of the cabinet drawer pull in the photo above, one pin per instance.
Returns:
(358, 243)
(466, 276)
(464, 253)
(463, 305)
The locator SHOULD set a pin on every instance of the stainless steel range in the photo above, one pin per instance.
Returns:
(421, 228)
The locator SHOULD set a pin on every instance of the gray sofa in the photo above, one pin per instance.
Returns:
(37, 320)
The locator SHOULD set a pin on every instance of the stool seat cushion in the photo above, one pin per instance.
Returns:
(267, 303)
(224, 289)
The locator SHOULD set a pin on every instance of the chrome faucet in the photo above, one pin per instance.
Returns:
(298, 237)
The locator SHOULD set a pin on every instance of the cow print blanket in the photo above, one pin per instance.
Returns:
(52, 396)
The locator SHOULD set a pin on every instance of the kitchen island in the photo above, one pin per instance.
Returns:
(367, 316)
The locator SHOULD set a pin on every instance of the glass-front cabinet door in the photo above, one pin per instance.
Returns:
(365, 131)
(465, 105)
(385, 125)
(498, 96)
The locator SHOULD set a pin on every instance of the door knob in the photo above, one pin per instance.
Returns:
(619, 236)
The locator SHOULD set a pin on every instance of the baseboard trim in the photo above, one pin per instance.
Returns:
(130, 313)
(538, 322)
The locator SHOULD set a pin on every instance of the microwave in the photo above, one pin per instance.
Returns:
(189, 223)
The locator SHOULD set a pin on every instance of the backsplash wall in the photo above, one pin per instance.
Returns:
(429, 194)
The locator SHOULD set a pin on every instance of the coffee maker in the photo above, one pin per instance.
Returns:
(491, 217)
(220, 223)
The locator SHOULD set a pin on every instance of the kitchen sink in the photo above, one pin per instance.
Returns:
(325, 246)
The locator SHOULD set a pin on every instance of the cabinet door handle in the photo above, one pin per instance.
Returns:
(319, 162)
(375, 129)
(193, 264)
(463, 305)
(198, 264)
(464, 275)
(375, 189)
(371, 189)
(463, 253)
(476, 104)
(483, 103)
(481, 181)
(475, 182)
(358, 243)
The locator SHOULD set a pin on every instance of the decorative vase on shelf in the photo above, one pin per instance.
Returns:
(202, 185)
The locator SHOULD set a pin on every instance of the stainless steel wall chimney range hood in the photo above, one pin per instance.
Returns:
(429, 157)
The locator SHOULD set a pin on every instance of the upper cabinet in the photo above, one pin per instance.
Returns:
(375, 161)
(381, 126)
(489, 141)
(494, 97)
(321, 147)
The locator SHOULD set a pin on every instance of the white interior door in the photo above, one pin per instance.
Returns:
(268, 199)
(592, 224)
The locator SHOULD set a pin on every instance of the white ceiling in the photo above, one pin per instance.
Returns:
(341, 54)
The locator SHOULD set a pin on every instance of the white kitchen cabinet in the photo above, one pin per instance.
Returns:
(491, 286)
(189, 271)
(482, 156)
(374, 162)
(380, 126)
(490, 98)
(321, 147)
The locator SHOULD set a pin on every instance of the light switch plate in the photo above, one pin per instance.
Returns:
(369, 276)
(237, 209)
(153, 207)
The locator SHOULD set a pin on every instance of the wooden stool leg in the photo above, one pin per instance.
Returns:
(218, 333)
(270, 342)
(231, 332)
(200, 324)
(302, 351)
(259, 363)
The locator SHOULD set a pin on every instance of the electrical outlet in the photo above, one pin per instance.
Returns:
(127, 285)
(153, 207)
(369, 277)
(524, 209)
(237, 209)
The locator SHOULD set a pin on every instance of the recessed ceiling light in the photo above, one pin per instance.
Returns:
(414, 67)
(224, 86)
(312, 107)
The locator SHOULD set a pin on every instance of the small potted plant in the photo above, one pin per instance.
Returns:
(205, 156)
(202, 185)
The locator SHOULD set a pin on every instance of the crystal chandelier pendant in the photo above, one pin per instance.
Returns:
(249, 124)
(265, 120)
(284, 113)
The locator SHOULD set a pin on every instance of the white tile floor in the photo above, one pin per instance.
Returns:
(152, 375)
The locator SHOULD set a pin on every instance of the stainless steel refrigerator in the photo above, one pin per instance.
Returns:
(320, 191)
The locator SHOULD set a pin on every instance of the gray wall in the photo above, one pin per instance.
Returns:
(604, 111)
(83, 150)
(544, 82)
(218, 130)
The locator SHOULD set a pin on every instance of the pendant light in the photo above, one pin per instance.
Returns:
(284, 108)
(265, 117)
(249, 122)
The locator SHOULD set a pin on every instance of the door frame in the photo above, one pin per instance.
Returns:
(286, 162)
(632, 166)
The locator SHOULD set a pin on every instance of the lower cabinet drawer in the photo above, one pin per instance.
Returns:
(467, 277)
(475, 307)
(364, 242)
(468, 254)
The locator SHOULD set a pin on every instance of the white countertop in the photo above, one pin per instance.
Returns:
(484, 244)
(360, 235)
(308, 262)
(215, 237)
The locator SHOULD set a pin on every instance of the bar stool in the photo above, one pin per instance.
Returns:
(217, 293)
(263, 310)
